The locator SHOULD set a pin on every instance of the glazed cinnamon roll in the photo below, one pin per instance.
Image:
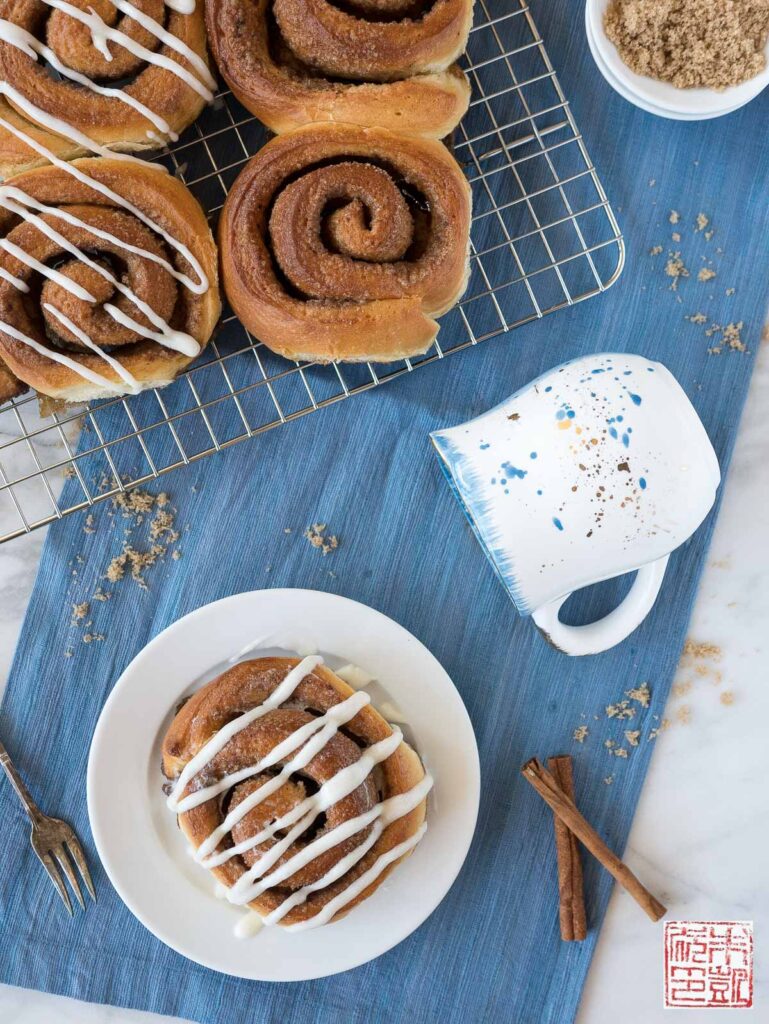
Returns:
(367, 62)
(107, 278)
(293, 791)
(340, 242)
(76, 75)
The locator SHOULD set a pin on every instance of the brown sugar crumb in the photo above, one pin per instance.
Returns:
(690, 43)
(732, 337)
(702, 222)
(620, 752)
(317, 536)
(135, 562)
(697, 318)
(89, 521)
(621, 709)
(134, 504)
(727, 697)
(632, 735)
(101, 595)
(706, 274)
(655, 250)
(79, 611)
(89, 638)
(697, 650)
(709, 235)
(641, 695)
(681, 689)
(580, 733)
(676, 236)
(608, 780)
(675, 268)
(674, 217)
(176, 555)
(163, 526)
(684, 714)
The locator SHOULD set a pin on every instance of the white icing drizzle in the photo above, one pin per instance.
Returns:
(28, 44)
(359, 885)
(60, 357)
(225, 734)
(168, 39)
(310, 738)
(248, 925)
(102, 33)
(164, 335)
(69, 218)
(129, 379)
(181, 6)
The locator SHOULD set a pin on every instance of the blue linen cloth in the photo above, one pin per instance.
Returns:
(491, 951)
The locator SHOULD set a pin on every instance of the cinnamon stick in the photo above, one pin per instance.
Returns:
(566, 810)
(571, 897)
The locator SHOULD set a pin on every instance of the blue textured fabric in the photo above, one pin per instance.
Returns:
(491, 951)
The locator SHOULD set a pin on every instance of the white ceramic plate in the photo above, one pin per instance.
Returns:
(145, 854)
(661, 98)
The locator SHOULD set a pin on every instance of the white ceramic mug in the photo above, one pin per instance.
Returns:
(598, 468)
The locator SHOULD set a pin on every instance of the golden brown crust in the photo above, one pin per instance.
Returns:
(10, 385)
(323, 286)
(237, 691)
(296, 62)
(160, 197)
(106, 120)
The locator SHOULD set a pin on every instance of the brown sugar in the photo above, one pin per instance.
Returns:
(690, 43)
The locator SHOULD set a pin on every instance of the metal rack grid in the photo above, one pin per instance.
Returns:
(544, 237)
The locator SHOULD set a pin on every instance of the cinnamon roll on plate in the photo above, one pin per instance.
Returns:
(328, 807)
(368, 62)
(293, 790)
(340, 242)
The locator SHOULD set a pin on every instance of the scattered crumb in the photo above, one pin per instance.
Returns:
(674, 217)
(697, 318)
(632, 735)
(684, 714)
(655, 250)
(730, 291)
(676, 236)
(287, 529)
(608, 744)
(706, 274)
(609, 779)
(79, 611)
(702, 222)
(176, 555)
(675, 268)
(641, 695)
(709, 235)
(621, 709)
(69, 653)
(708, 652)
(652, 182)
(580, 733)
(101, 595)
(727, 697)
(317, 536)
(620, 752)
(664, 724)
(89, 521)
(89, 638)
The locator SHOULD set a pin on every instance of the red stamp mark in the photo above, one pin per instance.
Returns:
(708, 963)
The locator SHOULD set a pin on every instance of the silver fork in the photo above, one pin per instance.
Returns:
(51, 837)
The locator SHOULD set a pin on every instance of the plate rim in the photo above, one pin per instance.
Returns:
(471, 756)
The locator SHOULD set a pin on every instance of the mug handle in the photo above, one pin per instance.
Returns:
(612, 628)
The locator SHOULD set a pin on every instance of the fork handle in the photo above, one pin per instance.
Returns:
(18, 784)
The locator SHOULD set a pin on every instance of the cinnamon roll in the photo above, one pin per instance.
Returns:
(107, 278)
(83, 76)
(366, 62)
(293, 791)
(339, 242)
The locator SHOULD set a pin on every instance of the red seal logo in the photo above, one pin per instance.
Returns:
(708, 963)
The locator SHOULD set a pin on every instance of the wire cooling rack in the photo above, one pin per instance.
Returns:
(544, 237)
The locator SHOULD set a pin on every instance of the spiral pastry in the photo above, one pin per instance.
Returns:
(76, 75)
(294, 792)
(107, 278)
(366, 62)
(340, 242)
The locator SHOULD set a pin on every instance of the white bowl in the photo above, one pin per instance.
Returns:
(657, 97)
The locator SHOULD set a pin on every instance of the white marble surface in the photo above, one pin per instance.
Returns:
(701, 833)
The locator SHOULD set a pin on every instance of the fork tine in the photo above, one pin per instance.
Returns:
(63, 859)
(47, 862)
(76, 852)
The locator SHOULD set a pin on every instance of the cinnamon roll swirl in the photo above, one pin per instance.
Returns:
(76, 75)
(366, 62)
(340, 242)
(107, 278)
(293, 791)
